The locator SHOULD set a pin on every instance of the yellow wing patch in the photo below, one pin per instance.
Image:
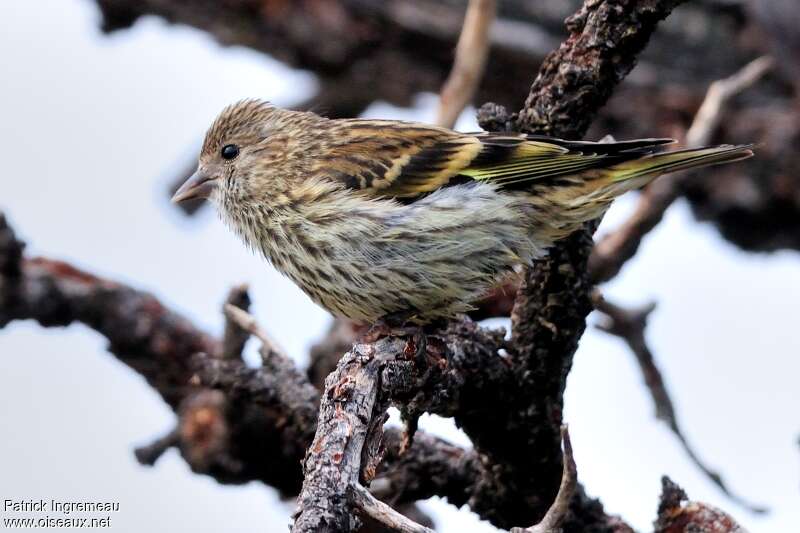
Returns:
(396, 159)
(529, 160)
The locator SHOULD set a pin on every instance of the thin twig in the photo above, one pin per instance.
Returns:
(274, 359)
(554, 518)
(709, 115)
(612, 252)
(368, 504)
(248, 323)
(471, 54)
(148, 455)
(629, 325)
(234, 337)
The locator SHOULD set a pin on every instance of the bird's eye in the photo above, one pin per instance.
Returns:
(229, 151)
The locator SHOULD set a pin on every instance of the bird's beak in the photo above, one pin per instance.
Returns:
(199, 185)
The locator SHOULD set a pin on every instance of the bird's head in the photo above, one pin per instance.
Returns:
(242, 153)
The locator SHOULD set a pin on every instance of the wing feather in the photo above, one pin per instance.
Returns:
(407, 160)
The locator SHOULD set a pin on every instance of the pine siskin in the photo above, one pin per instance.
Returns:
(380, 217)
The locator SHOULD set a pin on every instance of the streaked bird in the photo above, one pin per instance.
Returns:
(376, 218)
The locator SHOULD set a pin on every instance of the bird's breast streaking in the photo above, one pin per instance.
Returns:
(431, 258)
(374, 217)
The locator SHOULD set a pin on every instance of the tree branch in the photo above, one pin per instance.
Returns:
(332, 466)
(366, 503)
(234, 337)
(148, 455)
(554, 517)
(471, 53)
(614, 250)
(678, 515)
(629, 325)
(577, 79)
(550, 311)
(349, 437)
(266, 415)
(357, 394)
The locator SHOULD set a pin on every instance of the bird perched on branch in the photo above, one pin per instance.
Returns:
(380, 217)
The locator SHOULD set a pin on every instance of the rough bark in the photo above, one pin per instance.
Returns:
(456, 376)
(350, 412)
(550, 312)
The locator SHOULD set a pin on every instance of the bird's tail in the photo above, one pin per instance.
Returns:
(638, 172)
(599, 187)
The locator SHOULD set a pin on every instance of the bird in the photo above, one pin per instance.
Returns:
(387, 218)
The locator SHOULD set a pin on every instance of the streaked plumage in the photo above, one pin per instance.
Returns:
(373, 217)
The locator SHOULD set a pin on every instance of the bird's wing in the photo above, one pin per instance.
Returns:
(513, 161)
(408, 160)
(394, 159)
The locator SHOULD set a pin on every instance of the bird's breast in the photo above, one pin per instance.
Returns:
(363, 259)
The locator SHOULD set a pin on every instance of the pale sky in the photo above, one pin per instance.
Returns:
(94, 127)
